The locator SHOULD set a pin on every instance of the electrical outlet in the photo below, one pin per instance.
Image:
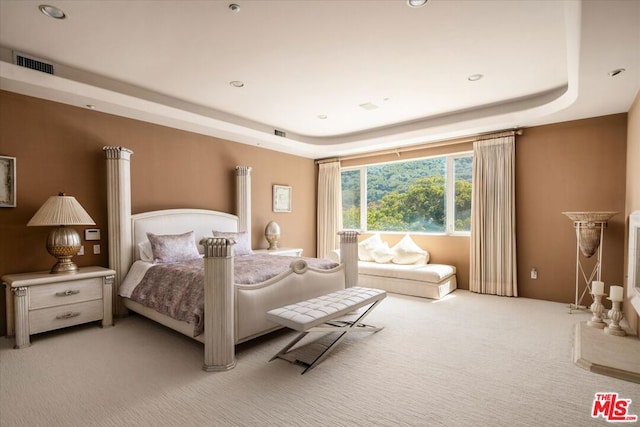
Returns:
(81, 251)
(96, 249)
(534, 273)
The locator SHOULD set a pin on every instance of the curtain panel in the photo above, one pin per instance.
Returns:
(329, 208)
(493, 219)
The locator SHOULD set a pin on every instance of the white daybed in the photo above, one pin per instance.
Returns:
(420, 280)
(403, 269)
(232, 313)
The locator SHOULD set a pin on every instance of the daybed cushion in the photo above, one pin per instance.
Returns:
(433, 273)
(367, 246)
(383, 253)
(408, 252)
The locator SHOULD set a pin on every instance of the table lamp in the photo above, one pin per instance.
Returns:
(63, 242)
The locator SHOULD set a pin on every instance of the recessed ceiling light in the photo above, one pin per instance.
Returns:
(52, 11)
(474, 77)
(322, 116)
(416, 3)
(616, 72)
(90, 106)
(234, 7)
(369, 106)
(236, 83)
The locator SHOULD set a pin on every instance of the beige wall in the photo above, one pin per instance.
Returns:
(571, 166)
(633, 187)
(59, 148)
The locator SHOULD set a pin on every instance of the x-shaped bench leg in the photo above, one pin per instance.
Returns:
(331, 326)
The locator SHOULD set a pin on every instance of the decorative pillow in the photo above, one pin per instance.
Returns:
(407, 252)
(366, 246)
(242, 246)
(145, 252)
(383, 254)
(173, 247)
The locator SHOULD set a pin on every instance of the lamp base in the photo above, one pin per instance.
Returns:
(64, 266)
(63, 243)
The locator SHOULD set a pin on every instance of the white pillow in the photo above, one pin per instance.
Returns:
(242, 246)
(366, 246)
(173, 247)
(145, 252)
(383, 254)
(407, 252)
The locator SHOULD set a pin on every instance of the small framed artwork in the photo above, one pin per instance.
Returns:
(281, 198)
(7, 182)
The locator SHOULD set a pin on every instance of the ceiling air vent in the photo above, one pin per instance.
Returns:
(281, 133)
(31, 62)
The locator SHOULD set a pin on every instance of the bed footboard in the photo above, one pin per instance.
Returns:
(219, 294)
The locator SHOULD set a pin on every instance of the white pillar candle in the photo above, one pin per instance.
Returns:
(597, 287)
(615, 293)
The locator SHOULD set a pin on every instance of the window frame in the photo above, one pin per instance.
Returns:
(450, 189)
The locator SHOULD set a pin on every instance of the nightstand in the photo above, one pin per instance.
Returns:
(39, 302)
(294, 252)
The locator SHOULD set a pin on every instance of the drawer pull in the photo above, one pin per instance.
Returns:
(68, 315)
(67, 293)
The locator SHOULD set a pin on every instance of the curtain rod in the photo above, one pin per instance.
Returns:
(435, 144)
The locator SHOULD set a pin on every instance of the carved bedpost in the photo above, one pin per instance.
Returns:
(243, 198)
(119, 217)
(349, 256)
(219, 311)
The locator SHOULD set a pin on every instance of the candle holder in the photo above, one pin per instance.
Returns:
(615, 314)
(597, 308)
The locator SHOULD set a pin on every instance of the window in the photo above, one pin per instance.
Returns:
(426, 196)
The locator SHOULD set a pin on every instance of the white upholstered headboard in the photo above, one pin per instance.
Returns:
(177, 221)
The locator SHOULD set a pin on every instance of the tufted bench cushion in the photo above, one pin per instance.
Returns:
(305, 315)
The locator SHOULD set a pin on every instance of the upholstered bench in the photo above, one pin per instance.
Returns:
(322, 314)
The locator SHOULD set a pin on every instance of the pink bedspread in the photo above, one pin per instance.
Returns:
(177, 290)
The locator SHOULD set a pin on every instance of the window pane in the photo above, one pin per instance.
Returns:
(408, 196)
(351, 199)
(462, 168)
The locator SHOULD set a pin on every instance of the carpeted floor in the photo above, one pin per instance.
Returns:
(467, 360)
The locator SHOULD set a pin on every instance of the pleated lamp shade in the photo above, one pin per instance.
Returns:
(61, 210)
(63, 242)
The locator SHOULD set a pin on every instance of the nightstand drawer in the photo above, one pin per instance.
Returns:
(46, 319)
(65, 293)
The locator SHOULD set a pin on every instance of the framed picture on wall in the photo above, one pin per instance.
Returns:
(7, 182)
(281, 198)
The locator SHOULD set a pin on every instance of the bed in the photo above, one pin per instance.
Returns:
(233, 313)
